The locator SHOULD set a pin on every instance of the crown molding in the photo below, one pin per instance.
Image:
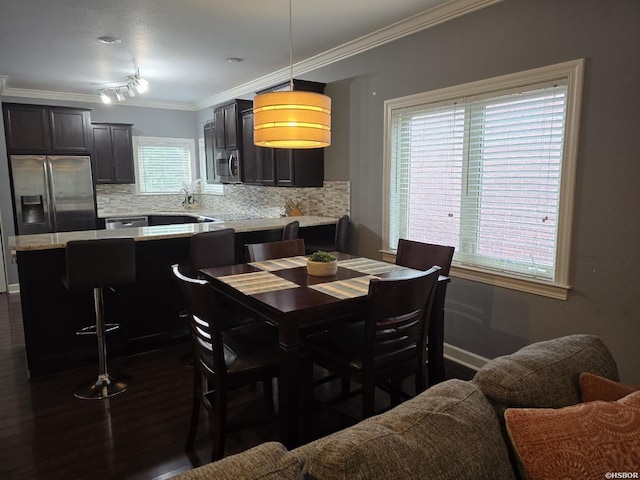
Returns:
(80, 97)
(429, 18)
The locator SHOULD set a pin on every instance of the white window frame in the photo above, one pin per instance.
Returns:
(183, 142)
(572, 73)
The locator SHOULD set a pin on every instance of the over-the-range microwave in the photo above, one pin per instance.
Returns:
(227, 166)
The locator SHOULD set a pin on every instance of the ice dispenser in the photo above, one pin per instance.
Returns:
(32, 209)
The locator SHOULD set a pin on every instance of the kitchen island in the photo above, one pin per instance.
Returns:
(147, 311)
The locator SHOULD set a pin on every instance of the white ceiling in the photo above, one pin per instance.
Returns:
(49, 48)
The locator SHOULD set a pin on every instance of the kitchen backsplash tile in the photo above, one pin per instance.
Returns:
(238, 201)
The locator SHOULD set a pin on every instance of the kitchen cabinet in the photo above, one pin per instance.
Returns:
(228, 127)
(280, 166)
(209, 152)
(42, 129)
(112, 153)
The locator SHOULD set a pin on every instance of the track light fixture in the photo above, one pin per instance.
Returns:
(135, 83)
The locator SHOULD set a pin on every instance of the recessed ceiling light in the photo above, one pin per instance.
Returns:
(109, 40)
(233, 60)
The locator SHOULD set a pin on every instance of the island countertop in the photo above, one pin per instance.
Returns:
(46, 241)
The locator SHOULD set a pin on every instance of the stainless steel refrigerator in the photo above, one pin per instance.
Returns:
(52, 193)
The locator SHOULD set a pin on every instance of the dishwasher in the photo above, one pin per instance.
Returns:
(114, 223)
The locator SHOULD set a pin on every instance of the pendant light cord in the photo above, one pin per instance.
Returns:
(290, 47)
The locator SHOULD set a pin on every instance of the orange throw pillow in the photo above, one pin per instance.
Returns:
(594, 387)
(584, 441)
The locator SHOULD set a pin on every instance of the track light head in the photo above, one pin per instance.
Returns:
(135, 82)
(104, 97)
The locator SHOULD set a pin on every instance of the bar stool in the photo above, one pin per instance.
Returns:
(96, 264)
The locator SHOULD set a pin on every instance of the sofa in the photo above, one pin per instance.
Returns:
(453, 430)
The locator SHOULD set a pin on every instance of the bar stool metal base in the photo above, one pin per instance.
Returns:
(104, 387)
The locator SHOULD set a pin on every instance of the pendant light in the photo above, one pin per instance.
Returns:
(293, 119)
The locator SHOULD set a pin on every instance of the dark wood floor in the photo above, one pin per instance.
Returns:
(47, 433)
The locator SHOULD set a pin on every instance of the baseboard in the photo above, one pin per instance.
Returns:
(464, 357)
(13, 288)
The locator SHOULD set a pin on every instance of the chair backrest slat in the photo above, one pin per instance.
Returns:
(422, 256)
(258, 252)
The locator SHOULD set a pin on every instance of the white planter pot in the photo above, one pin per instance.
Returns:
(322, 269)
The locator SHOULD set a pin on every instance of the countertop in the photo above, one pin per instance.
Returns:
(46, 241)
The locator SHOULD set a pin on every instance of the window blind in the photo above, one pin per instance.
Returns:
(482, 174)
(164, 165)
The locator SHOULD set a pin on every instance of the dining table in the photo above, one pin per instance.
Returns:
(281, 292)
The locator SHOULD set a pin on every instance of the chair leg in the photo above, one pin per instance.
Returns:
(267, 391)
(219, 426)
(368, 399)
(195, 409)
(345, 386)
(396, 388)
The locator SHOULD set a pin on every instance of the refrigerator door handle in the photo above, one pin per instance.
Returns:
(51, 201)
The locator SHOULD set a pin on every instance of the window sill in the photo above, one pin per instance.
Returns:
(545, 289)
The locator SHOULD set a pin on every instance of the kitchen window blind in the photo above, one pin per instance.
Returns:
(483, 173)
(163, 164)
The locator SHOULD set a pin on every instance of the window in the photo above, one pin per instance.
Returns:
(489, 168)
(163, 164)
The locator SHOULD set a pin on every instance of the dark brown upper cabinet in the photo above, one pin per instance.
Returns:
(282, 167)
(112, 153)
(41, 129)
(228, 133)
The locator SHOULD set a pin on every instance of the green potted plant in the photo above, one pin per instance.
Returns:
(322, 264)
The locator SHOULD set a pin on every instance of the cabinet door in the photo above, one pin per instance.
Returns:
(285, 174)
(231, 125)
(102, 157)
(209, 148)
(266, 160)
(27, 129)
(70, 130)
(218, 119)
(122, 154)
(249, 161)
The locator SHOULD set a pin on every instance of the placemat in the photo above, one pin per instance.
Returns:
(368, 266)
(257, 282)
(350, 288)
(281, 263)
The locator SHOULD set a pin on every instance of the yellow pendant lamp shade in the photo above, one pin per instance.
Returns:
(295, 119)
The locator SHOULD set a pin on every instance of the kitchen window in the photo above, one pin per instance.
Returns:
(163, 164)
(489, 167)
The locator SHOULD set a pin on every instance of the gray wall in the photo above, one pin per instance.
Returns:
(509, 37)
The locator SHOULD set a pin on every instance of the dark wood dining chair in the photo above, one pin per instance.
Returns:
(211, 249)
(422, 256)
(290, 230)
(223, 360)
(389, 345)
(340, 241)
(216, 248)
(258, 252)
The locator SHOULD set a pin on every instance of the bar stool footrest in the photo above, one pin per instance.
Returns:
(92, 330)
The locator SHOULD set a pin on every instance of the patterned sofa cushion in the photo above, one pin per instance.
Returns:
(588, 440)
(449, 431)
(267, 461)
